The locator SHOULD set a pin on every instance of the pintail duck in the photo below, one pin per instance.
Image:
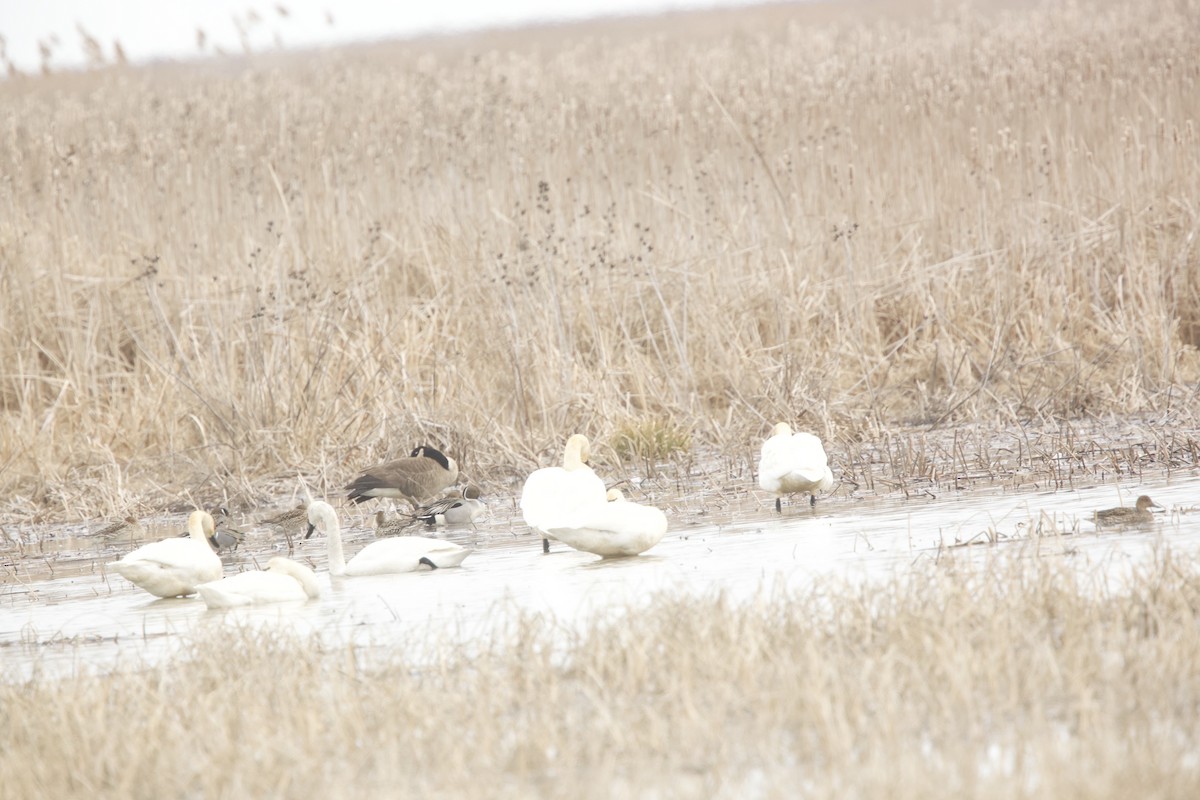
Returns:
(1123, 515)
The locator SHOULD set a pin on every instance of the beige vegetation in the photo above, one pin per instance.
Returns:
(213, 276)
(1007, 677)
(960, 245)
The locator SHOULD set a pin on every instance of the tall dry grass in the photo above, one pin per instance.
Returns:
(1013, 677)
(212, 276)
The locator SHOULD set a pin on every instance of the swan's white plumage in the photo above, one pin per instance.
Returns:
(614, 528)
(792, 463)
(283, 581)
(552, 496)
(173, 567)
(384, 556)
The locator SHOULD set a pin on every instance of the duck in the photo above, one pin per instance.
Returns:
(174, 567)
(283, 581)
(383, 556)
(791, 463)
(464, 507)
(420, 475)
(551, 495)
(1123, 515)
(614, 528)
(228, 538)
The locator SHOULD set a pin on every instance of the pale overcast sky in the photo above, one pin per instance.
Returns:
(154, 29)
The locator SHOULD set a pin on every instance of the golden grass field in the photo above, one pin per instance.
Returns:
(216, 276)
(959, 242)
(1014, 677)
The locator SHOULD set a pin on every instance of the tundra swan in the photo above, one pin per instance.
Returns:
(172, 567)
(420, 475)
(614, 528)
(283, 580)
(791, 463)
(383, 556)
(552, 495)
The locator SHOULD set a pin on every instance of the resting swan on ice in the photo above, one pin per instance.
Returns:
(383, 556)
(553, 494)
(283, 581)
(614, 528)
(173, 567)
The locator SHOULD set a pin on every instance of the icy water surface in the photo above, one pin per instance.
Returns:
(61, 609)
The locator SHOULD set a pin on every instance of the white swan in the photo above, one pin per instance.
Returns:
(173, 567)
(614, 528)
(284, 580)
(793, 462)
(383, 556)
(552, 495)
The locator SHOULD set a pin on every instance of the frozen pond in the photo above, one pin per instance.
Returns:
(61, 609)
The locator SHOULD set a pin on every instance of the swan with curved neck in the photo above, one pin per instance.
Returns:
(793, 463)
(614, 528)
(283, 581)
(174, 567)
(384, 556)
(552, 495)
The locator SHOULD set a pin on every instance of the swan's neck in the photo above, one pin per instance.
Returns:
(197, 533)
(333, 533)
(575, 455)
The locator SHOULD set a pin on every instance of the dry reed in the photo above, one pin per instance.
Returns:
(213, 276)
(1006, 677)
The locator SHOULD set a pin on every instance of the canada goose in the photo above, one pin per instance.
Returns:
(614, 528)
(551, 495)
(283, 580)
(1123, 515)
(173, 567)
(459, 508)
(383, 556)
(422, 474)
(791, 463)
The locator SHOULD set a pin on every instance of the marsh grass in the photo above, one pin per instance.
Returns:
(649, 441)
(997, 677)
(213, 276)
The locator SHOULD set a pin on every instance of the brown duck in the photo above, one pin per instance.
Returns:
(1123, 515)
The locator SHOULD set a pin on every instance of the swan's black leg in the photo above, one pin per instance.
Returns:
(812, 501)
(545, 545)
(779, 504)
(427, 563)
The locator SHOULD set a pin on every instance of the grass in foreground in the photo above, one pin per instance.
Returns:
(1014, 678)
